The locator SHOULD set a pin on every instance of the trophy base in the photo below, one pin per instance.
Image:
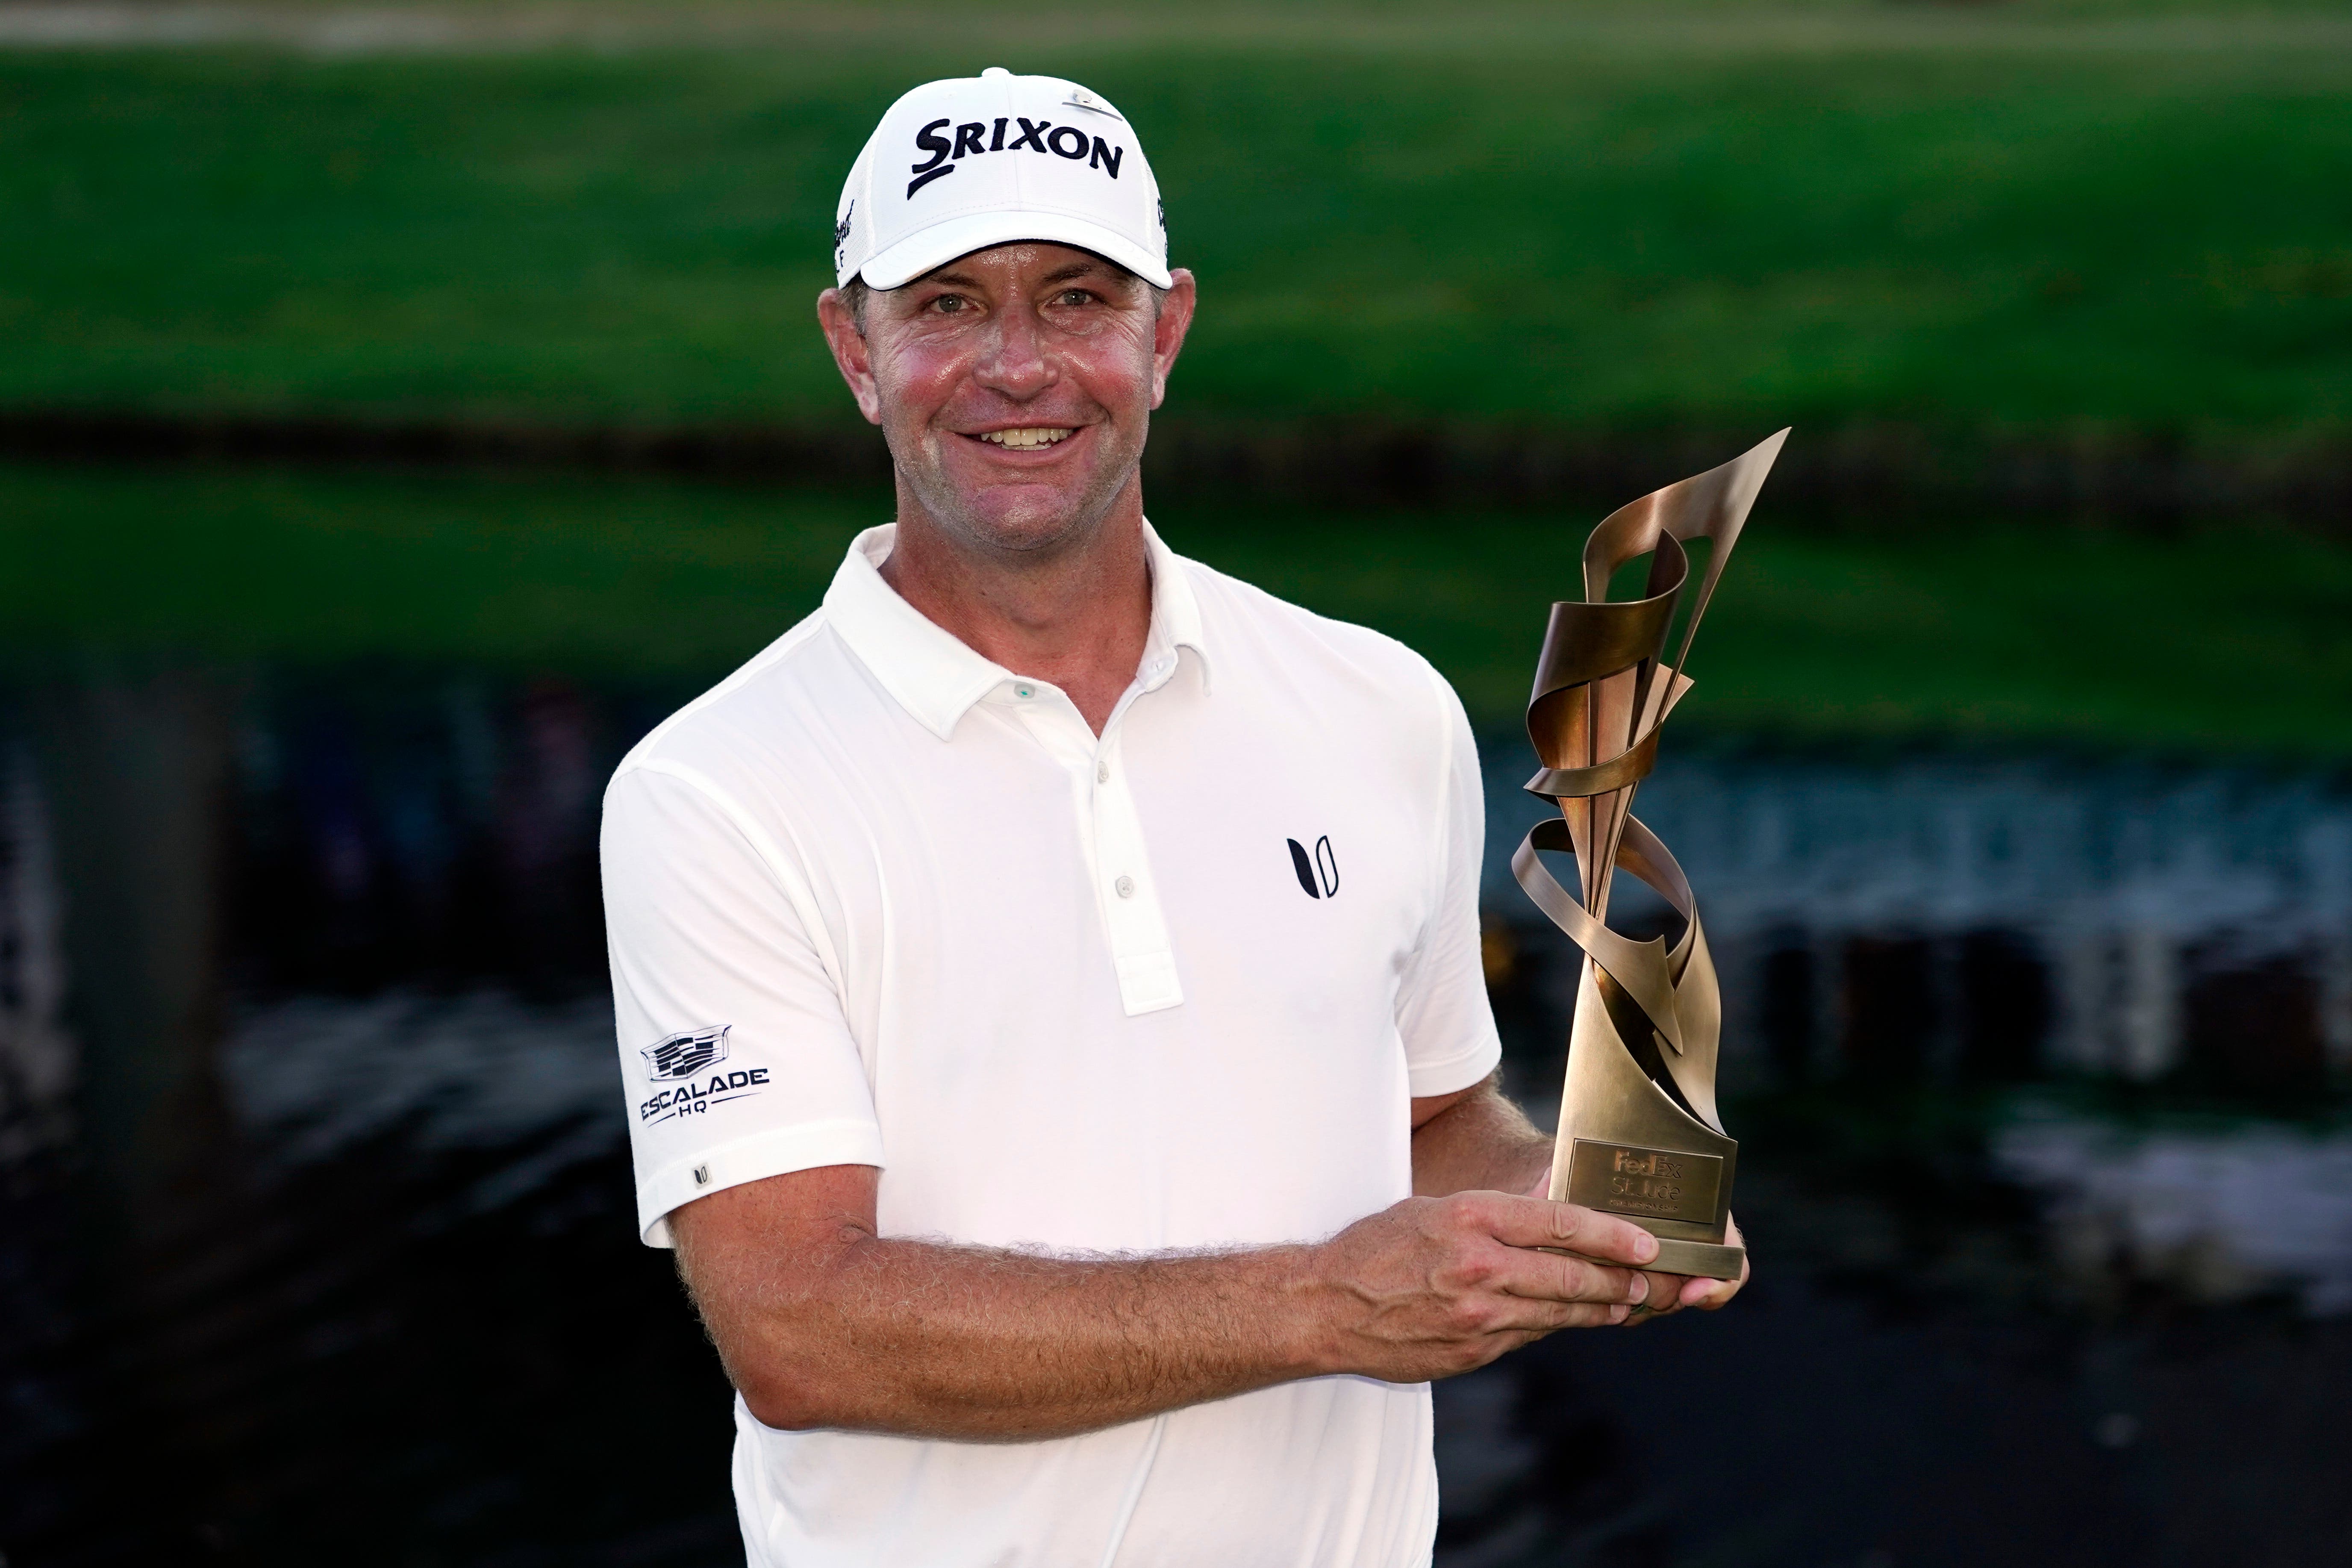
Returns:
(1705, 1259)
(1700, 1259)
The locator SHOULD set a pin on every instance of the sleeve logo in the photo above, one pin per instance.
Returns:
(683, 1056)
(681, 1059)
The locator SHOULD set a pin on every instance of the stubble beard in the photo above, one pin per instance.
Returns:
(1029, 532)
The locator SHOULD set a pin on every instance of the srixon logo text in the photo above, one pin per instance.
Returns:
(976, 137)
(694, 1098)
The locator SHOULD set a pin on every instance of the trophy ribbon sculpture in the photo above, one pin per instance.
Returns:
(1639, 1134)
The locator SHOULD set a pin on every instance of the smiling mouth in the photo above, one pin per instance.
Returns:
(1029, 438)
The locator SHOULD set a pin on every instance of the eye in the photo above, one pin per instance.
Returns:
(951, 304)
(1074, 296)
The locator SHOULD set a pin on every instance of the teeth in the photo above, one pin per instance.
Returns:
(1027, 439)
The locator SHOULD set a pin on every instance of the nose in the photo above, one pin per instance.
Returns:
(1017, 363)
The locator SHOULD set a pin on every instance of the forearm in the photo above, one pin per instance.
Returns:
(822, 1321)
(1481, 1142)
(971, 1342)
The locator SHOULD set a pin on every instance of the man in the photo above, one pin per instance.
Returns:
(1046, 974)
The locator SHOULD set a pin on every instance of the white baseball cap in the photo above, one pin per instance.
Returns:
(962, 164)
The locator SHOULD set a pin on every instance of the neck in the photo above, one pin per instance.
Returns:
(1074, 615)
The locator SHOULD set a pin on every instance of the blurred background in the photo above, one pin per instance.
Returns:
(402, 408)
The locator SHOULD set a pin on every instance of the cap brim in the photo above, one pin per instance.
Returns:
(943, 242)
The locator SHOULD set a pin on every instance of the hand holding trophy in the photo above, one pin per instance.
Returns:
(1639, 1132)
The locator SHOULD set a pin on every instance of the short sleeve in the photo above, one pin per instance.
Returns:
(1443, 1014)
(736, 1055)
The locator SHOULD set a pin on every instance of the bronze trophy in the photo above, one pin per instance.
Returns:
(1639, 1133)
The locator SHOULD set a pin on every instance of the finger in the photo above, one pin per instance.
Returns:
(1543, 1317)
(1586, 1315)
(1559, 1277)
(1539, 1316)
(1664, 1298)
(1666, 1295)
(1710, 1295)
(1589, 1314)
(1540, 1222)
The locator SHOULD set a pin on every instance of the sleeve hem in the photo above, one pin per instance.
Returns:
(1455, 1073)
(752, 1159)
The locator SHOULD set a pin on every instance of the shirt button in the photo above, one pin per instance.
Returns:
(1024, 691)
(1102, 773)
(1126, 885)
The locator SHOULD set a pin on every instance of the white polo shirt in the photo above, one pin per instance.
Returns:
(875, 900)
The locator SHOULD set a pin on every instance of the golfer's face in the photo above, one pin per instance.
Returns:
(1015, 385)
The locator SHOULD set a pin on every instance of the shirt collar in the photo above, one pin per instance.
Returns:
(935, 677)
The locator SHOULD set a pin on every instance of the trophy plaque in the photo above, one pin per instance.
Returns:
(1639, 1133)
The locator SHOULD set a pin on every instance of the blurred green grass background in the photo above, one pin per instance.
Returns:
(1729, 216)
(2054, 221)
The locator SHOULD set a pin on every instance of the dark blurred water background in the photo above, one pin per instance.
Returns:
(317, 1234)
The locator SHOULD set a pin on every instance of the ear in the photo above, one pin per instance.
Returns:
(1167, 332)
(850, 353)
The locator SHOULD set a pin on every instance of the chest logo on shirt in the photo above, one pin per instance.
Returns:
(1318, 873)
(683, 1056)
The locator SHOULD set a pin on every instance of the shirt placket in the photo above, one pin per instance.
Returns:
(1118, 862)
